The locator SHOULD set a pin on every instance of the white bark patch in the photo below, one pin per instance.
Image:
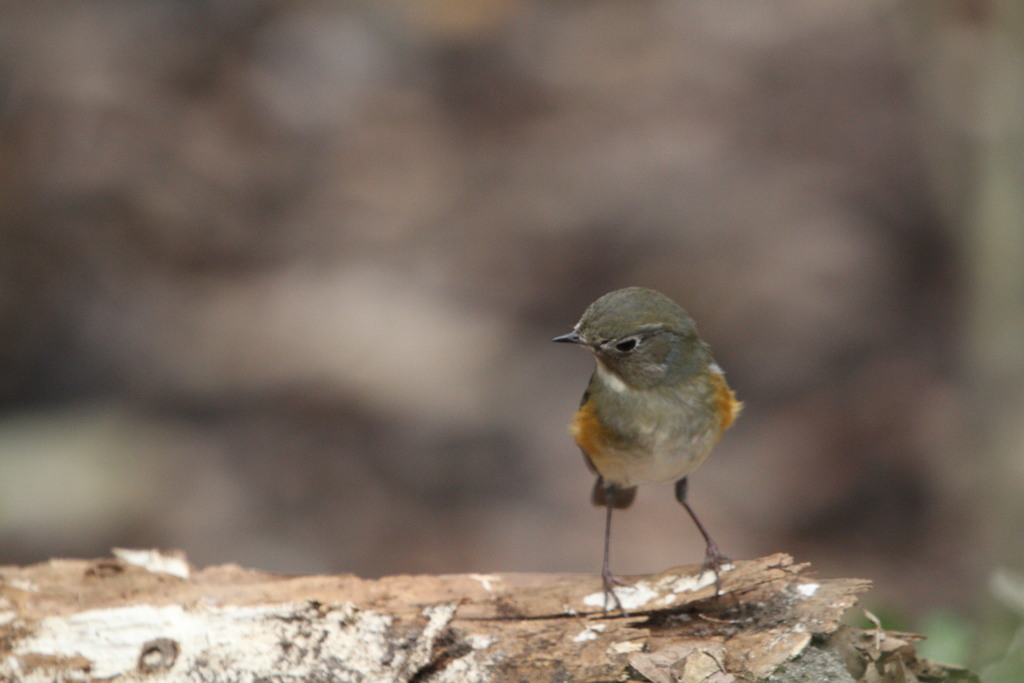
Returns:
(226, 643)
(644, 594)
(808, 589)
(156, 561)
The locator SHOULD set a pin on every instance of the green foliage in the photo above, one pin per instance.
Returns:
(949, 637)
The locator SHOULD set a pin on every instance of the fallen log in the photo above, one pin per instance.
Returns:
(146, 615)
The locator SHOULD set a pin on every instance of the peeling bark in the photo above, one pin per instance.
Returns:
(149, 616)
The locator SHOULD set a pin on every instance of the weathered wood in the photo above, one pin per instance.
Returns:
(149, 616)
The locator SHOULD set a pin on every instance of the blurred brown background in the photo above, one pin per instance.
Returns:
(277, 279)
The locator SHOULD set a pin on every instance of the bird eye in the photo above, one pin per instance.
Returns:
(627, 345)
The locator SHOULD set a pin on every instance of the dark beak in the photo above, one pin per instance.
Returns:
(571, 338)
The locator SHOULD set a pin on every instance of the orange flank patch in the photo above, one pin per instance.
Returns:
(588, 431)
(726, 404)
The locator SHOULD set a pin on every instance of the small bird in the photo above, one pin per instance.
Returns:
(656, 405)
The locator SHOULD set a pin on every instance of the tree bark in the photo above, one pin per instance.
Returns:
(145, 615)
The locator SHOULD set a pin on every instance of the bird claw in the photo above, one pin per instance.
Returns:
(715, 561)
(610, 582)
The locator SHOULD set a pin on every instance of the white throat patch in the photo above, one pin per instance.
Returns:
(611, 380)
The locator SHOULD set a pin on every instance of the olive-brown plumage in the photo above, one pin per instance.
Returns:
(656, 404)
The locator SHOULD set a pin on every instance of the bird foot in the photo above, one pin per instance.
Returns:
(715, 561)
(610, 582)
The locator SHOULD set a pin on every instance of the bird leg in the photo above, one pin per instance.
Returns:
(607, 577)
(714, 560)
